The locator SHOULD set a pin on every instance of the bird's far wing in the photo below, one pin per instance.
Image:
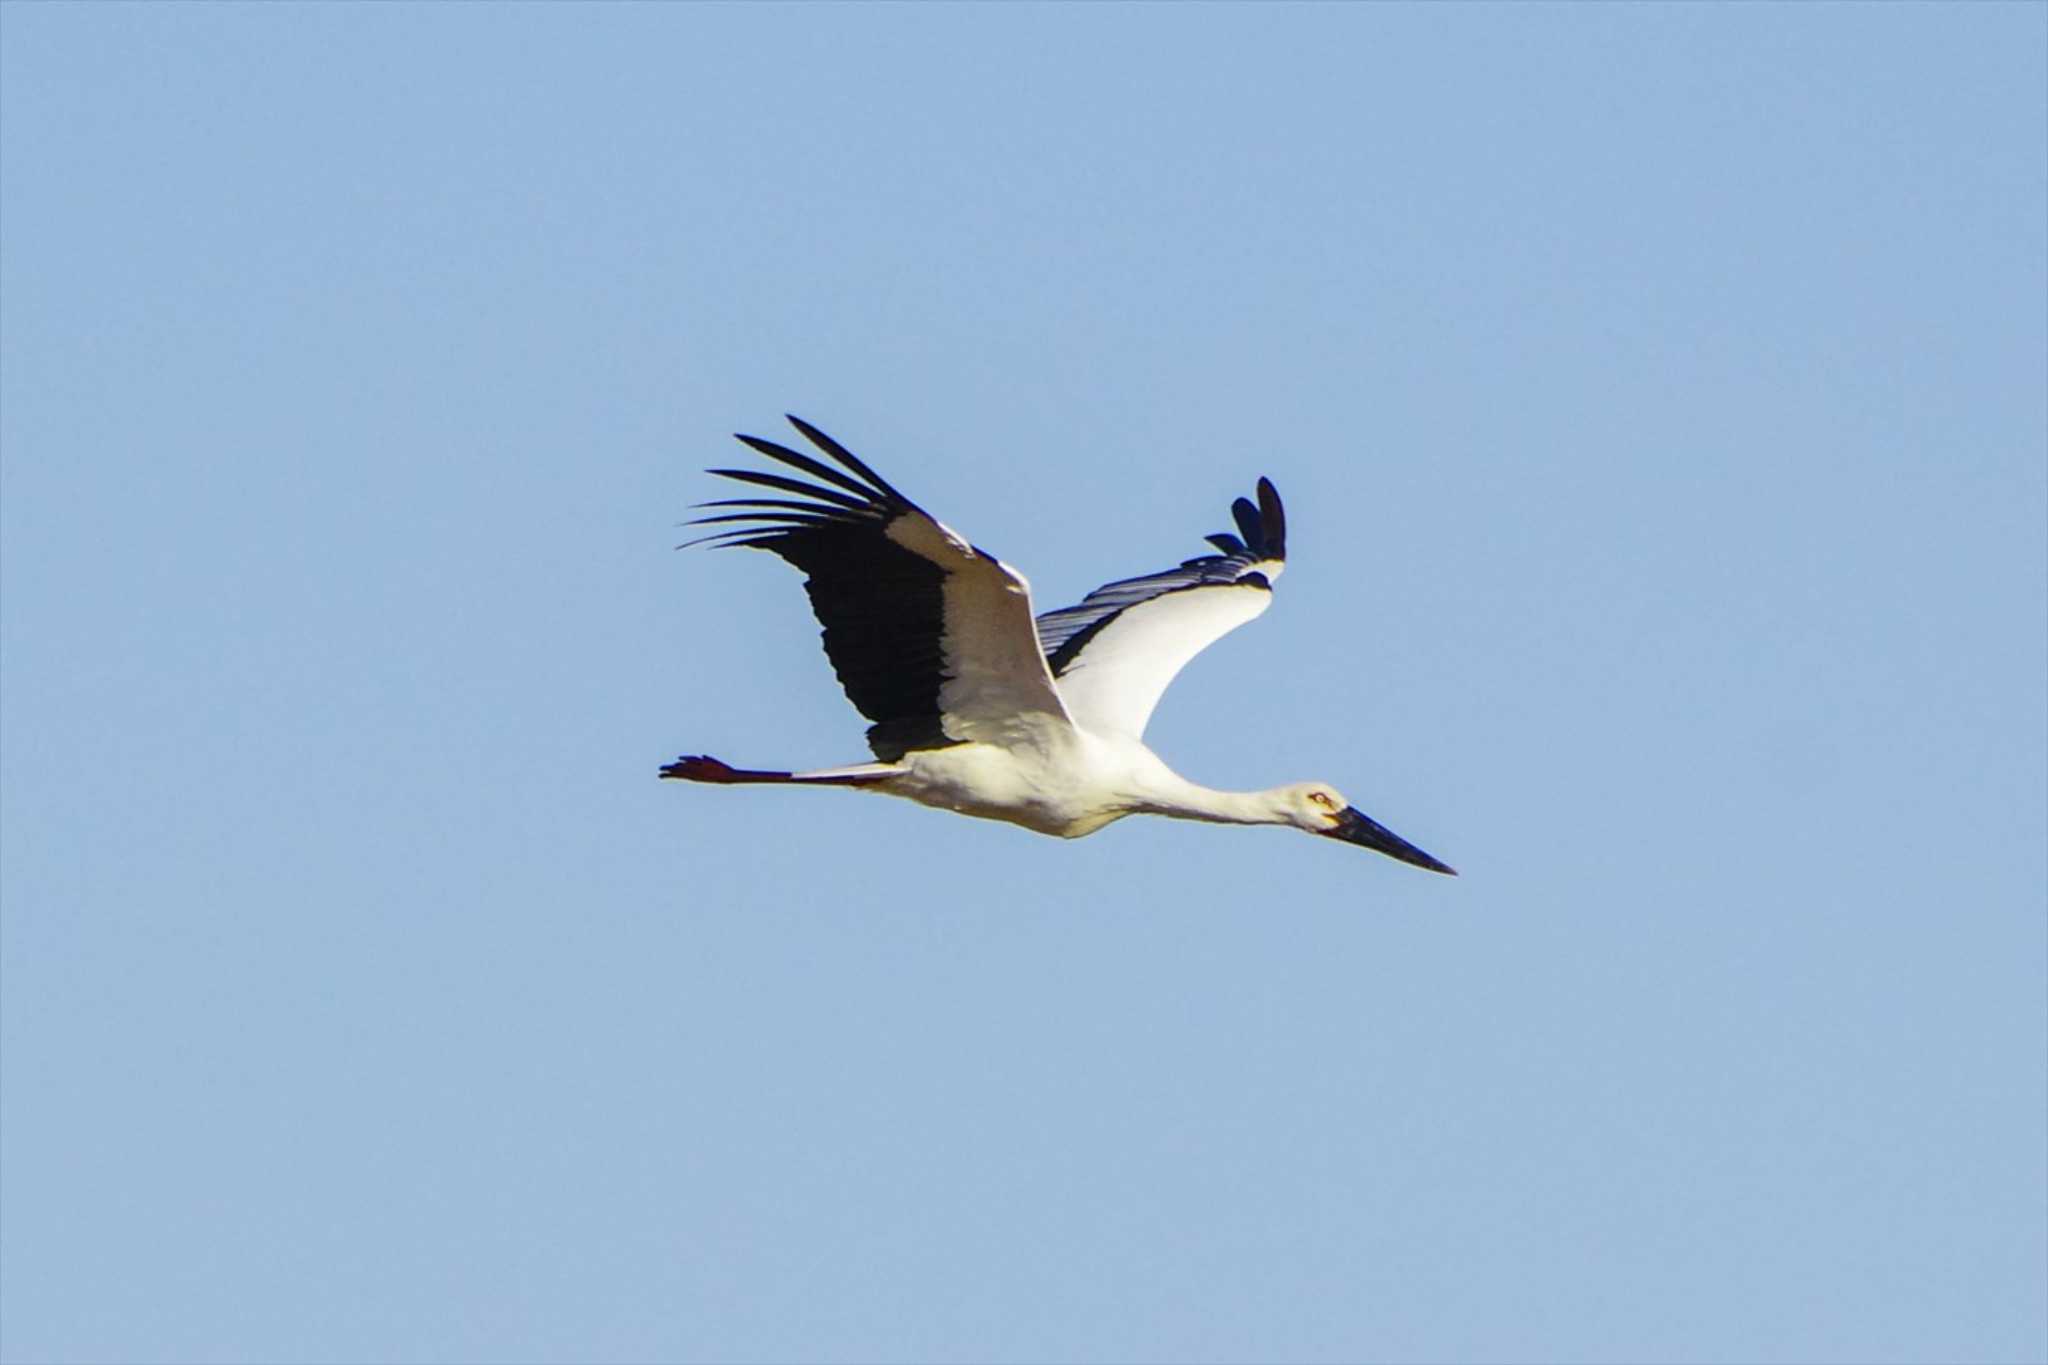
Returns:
(1114, 653)
(931, 638)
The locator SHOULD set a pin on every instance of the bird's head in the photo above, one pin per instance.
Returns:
(1321, 809)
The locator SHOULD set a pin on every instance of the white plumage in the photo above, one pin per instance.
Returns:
(979, 708)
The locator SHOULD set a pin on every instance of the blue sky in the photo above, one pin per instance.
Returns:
(1658, 397)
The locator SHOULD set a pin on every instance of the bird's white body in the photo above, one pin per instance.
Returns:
(981, 708)
(1068, 782)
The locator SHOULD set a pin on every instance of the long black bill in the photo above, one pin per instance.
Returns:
(1354, 826)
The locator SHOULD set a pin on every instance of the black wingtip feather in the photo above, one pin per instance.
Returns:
(844, 456)
(1247, 518)
(815, 468)
(789, 485)
(1272, 521)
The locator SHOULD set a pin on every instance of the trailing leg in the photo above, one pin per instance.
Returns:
(703, 768)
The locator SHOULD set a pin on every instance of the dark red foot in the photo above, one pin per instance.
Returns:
(700, 768)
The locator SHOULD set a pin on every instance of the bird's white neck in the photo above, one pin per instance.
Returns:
(1170, 794)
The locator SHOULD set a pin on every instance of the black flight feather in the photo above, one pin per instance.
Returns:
(1247, 518)
(816, 468)
(844, 456)
(881, 606)
(789, 485)
(1272, 521)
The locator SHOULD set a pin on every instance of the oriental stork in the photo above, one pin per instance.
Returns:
(979, 708)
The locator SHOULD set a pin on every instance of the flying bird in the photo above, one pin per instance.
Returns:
(976, 706)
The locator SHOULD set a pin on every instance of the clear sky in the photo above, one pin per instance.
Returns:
(1658, 396)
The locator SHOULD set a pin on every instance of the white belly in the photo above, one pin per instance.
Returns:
(1051, 793)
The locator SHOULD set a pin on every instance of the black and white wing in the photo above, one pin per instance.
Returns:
(931, 638)
(1114, 653)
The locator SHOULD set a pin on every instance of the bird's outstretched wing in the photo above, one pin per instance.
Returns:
(1114, 652)
(931, 638)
